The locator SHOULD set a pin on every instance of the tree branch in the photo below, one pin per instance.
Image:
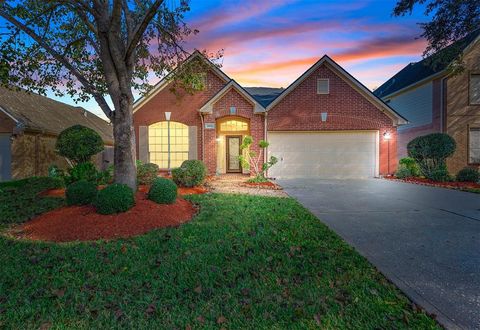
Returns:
(140, 28)
(99, 98)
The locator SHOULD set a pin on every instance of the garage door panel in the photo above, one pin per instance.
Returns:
(324, 155)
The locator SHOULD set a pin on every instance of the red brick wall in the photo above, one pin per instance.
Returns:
(407, 135)
(221, 109)
(184, 107)
(347, 109)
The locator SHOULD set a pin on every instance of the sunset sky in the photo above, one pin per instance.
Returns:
(270, 43)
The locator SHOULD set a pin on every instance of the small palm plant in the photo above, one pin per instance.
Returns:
(252, 161)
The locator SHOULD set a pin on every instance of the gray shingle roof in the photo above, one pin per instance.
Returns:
(264, 95)
(41, 113)
(415, 72)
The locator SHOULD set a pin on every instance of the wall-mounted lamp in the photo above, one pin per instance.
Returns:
(168, 115)
(387, 135)
(324, 116)
(219, 139)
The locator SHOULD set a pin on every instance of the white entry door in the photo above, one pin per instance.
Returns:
(325, 155)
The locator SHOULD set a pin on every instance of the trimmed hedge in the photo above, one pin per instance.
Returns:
(190, 174)
(79, 143)
(468, 174)
(115, 198)
(81, 193)
(403, 172)
(410, 164)
(163, 191)
(83, 171)
(430, 152)
(146, 173)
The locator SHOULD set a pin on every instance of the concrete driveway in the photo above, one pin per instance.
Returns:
(426, 240)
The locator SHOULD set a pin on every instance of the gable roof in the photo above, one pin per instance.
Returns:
(264, 95)
(428, 68)
(40, 113)
(165, 80)
(342, 73)
(208, 107)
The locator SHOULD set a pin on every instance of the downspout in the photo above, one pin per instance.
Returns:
(265, 135)
(203, 136)
(442, 104)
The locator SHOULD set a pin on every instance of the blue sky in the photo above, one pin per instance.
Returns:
(270, 43)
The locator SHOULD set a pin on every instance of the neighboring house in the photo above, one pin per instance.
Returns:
(29, 126)
(436, 100)
(325, 124)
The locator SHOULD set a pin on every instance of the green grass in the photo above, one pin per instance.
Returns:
(19, 200)
(243, 262)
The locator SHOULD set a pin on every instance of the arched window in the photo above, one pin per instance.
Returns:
(158, 144)
(233, 125)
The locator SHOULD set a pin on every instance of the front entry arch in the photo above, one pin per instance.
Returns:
(230, 133)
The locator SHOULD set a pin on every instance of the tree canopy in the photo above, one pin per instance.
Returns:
(450, 21)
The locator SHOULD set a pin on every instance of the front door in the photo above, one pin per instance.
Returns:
(233, 151)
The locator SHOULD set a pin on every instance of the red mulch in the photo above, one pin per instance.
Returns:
(428, 182)
(143, 188)
(82, 223)
(263, 185)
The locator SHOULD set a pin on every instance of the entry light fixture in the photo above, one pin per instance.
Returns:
(168, 115)
(218, 139)
(324, 116)
(387, 135)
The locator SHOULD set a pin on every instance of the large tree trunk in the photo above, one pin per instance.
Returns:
(124, 149)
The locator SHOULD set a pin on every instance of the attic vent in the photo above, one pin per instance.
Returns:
(323, 86)
(85, 113)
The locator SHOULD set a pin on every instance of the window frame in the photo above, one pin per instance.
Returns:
(470, 128)
(470, 88)
(328, 86)
(158, 146)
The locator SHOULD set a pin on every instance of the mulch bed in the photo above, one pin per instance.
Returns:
(82, 223)
(428, 182)
(143, 188)
(262, 185)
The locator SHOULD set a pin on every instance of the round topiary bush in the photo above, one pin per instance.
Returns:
(430, 153)
(146, 173)
(468, 174)
(163, 191)
(115, 198)
(192, 173)
(79, 143)
(81, 193)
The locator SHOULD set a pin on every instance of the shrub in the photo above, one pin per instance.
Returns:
(163, 191)
(411, 165)
(83, 171)
(192, 173)
(440, 174)
(403, 172)
(468, 174)
(430, 153)
(251, 160)
(115, 198)
(81, 193)
(146, 173)
(79, 143)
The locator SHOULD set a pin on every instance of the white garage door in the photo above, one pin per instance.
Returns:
(325, 155)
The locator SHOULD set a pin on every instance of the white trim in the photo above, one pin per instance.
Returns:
(377, 154)
(208, 107)
(397, 119)
(165, 80)
(9, 115)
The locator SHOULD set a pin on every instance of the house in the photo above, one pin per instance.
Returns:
(29, 126)
(326, 124)
(436, 99)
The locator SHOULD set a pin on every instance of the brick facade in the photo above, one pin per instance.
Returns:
(347, 109)
(300, 110)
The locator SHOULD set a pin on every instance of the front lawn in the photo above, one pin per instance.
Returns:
(243, 262)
